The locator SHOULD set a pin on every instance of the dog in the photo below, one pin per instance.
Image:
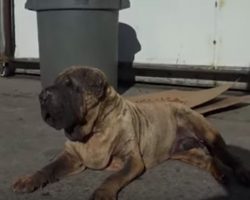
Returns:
(106, 131)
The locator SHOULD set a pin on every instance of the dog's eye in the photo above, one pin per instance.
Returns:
(72, 84)
(69, 82)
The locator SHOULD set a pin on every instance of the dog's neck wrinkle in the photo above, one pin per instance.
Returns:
(93, 107)
(90, 102)
(91, 117)
(113, 101)
(137, 113)
(101, 110)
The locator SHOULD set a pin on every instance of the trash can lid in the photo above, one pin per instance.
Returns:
(76, 4)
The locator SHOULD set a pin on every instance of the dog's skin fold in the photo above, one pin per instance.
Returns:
(105, 131)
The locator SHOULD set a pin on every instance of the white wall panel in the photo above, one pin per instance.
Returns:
(25, 32)
(169, 31)
(173, 31)
(233, 33)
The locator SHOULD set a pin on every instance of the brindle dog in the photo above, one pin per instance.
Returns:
(106, 131)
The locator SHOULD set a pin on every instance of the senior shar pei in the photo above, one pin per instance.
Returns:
(106, 131)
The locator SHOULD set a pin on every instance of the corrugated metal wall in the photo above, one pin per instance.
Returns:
(172, 35)
(194, 35)
(26, 35)
(194, 32)
(2, 35)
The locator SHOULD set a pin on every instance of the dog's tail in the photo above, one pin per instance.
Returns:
(219, 149)
(217, 146)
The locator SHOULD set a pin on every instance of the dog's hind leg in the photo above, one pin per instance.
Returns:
(211, 138)
(65, 164)
(200, 158)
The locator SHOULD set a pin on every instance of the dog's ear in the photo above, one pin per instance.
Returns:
(73, 84)
(86, 80)
(92, 81)
(97, 85)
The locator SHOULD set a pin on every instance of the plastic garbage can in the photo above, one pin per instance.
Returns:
(77, 32)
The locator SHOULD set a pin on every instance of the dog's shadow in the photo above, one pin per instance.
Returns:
(234, 190)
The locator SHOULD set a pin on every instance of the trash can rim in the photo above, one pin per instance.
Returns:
(43, 5)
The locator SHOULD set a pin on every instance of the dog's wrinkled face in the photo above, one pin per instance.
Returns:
(64, 106)
(60, 106)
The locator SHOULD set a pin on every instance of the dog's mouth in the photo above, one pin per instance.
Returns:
(74, 133)
(52, 121)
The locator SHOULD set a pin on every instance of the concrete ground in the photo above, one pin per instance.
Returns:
(27, 143)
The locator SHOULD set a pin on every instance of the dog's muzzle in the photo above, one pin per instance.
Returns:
(51, 109)
(60, 107)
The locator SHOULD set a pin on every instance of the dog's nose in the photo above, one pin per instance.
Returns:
(45, 96)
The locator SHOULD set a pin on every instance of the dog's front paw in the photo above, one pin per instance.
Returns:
(28, 184)
(101, 194)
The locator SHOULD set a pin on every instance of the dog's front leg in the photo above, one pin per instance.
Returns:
(64, 165)
(109, 189)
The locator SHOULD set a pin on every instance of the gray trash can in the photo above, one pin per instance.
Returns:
(77, 32)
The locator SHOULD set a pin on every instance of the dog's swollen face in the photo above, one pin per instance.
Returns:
(60, 109)
(72, 90)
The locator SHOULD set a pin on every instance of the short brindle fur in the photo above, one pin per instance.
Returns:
(106, 131)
